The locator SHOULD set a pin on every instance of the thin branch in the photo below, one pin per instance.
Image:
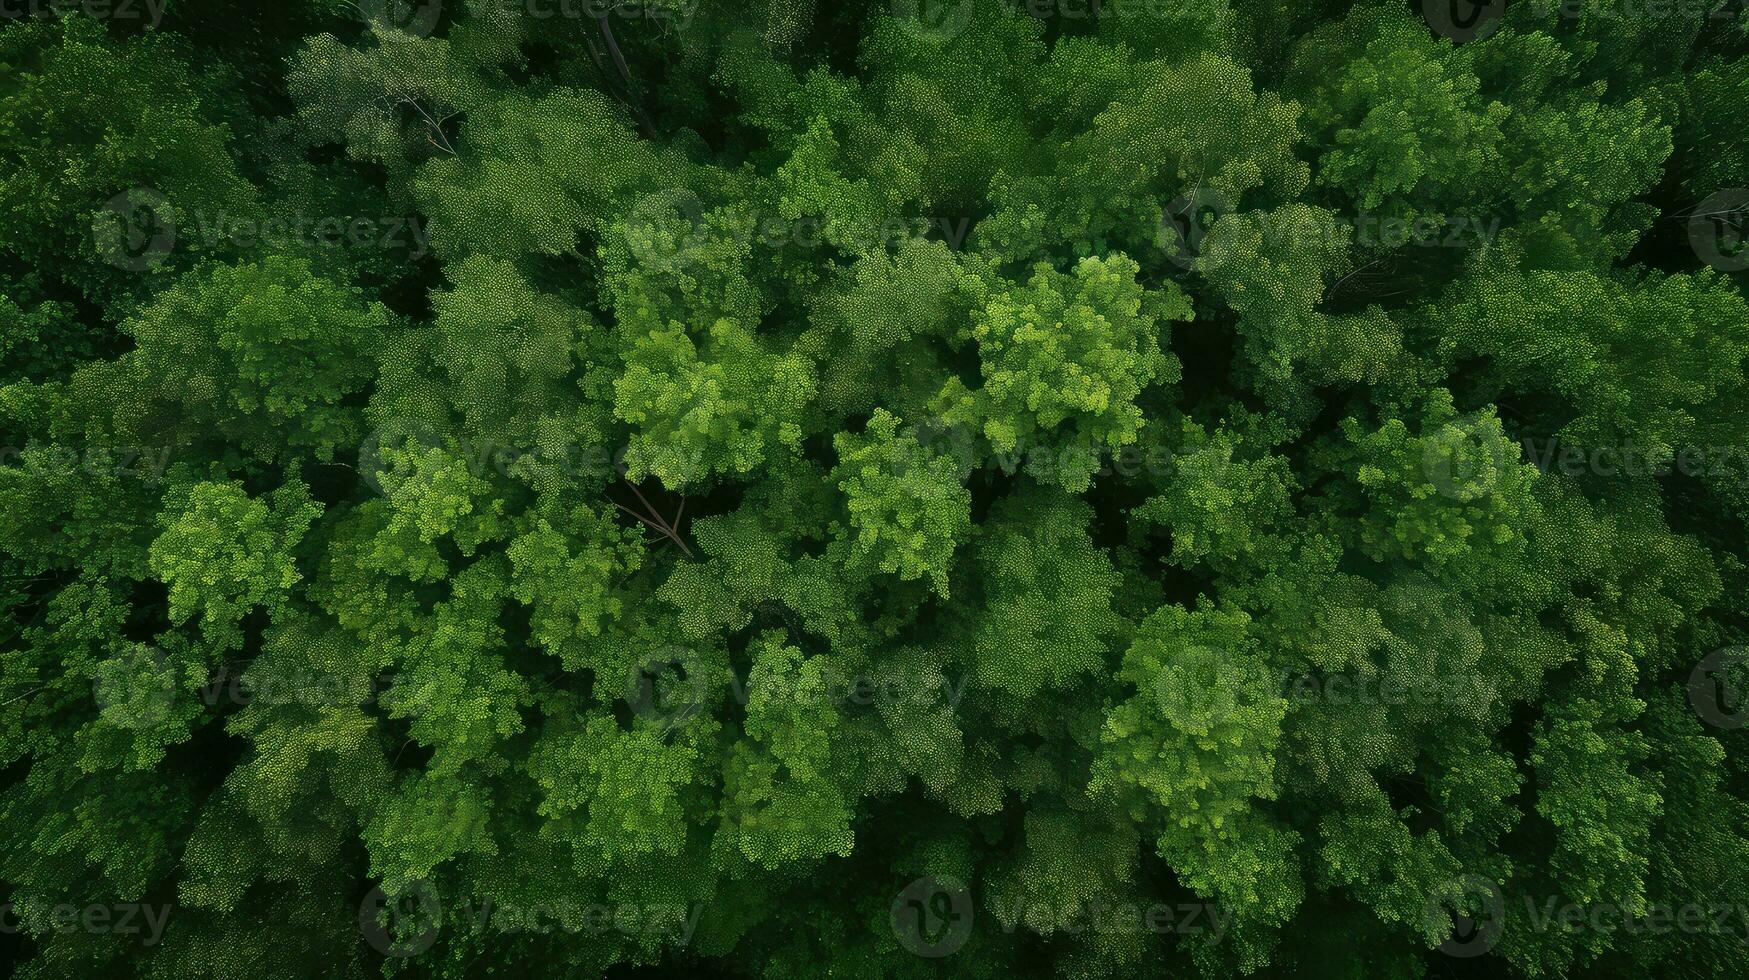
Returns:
(628, 510)
(619, 59)
(434, 125)
(1691, 215)
(653, 519)
(1332, 290)
(641, 498)
(629, 99)
(21, 697)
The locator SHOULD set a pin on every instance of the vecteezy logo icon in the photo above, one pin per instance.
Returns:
(932, 917)
(402, 925)
(416, 17)
(1716, 688)
(668, 687)
(1185, 223)
(1188, 699)
(1467, 457)
(136, 688)
(678, 13)
(1478, 916)
(1463, 20)
(1716, 230)
(941, 437)
(388, 456)
(941, 19)
(135, 230)
(662, 229)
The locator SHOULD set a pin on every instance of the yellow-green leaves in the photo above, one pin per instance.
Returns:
(1064, 359)
(906, 510)
(224, 553)
(723, 405)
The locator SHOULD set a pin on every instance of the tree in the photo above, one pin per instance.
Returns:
(889, 490)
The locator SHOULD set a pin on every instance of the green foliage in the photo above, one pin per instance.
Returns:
(881, 490)
(262, 356)
(87, 117)
(223, 553)
(702, 409)
(1064, 359)
(906, 510)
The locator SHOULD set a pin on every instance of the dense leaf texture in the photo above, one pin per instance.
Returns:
(727, 462)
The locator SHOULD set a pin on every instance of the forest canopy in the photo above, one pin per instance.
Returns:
(874, 488)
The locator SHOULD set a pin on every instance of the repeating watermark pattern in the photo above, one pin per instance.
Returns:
(1192, 703)
(1112, 915)
(387, 233)
(944, 438)
(1186, 220)
(950, 18)
(1457, 231)
(1478, 916)
(1466, 457)
(667, 228)
(133, 919)
(1185, 223)
(1643, 10)
(663, 690)
(382, 471)
(1042, 462)
(670, 688)
(663, 227)
(1083, 9)
(402, 925)
(941, 20)
(1391, 690)
(1655, 919)
(416, 17)
(1716, 230)
(139, 689)
(1553, 455)
(676, 12)
(1477, 931)
(149, 12)
(1129, 462)
(144, 463)
(135, 230)
(933, 916)
(1461, 461)
(373, 467)
(410, 923)
(1188, 701)
(309, 688)
(1717, 688)
(138, 230)
(421, 18)
(1463, 20)
(136, 689)
(1094, 9)
(674, 922)
(387, 457)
